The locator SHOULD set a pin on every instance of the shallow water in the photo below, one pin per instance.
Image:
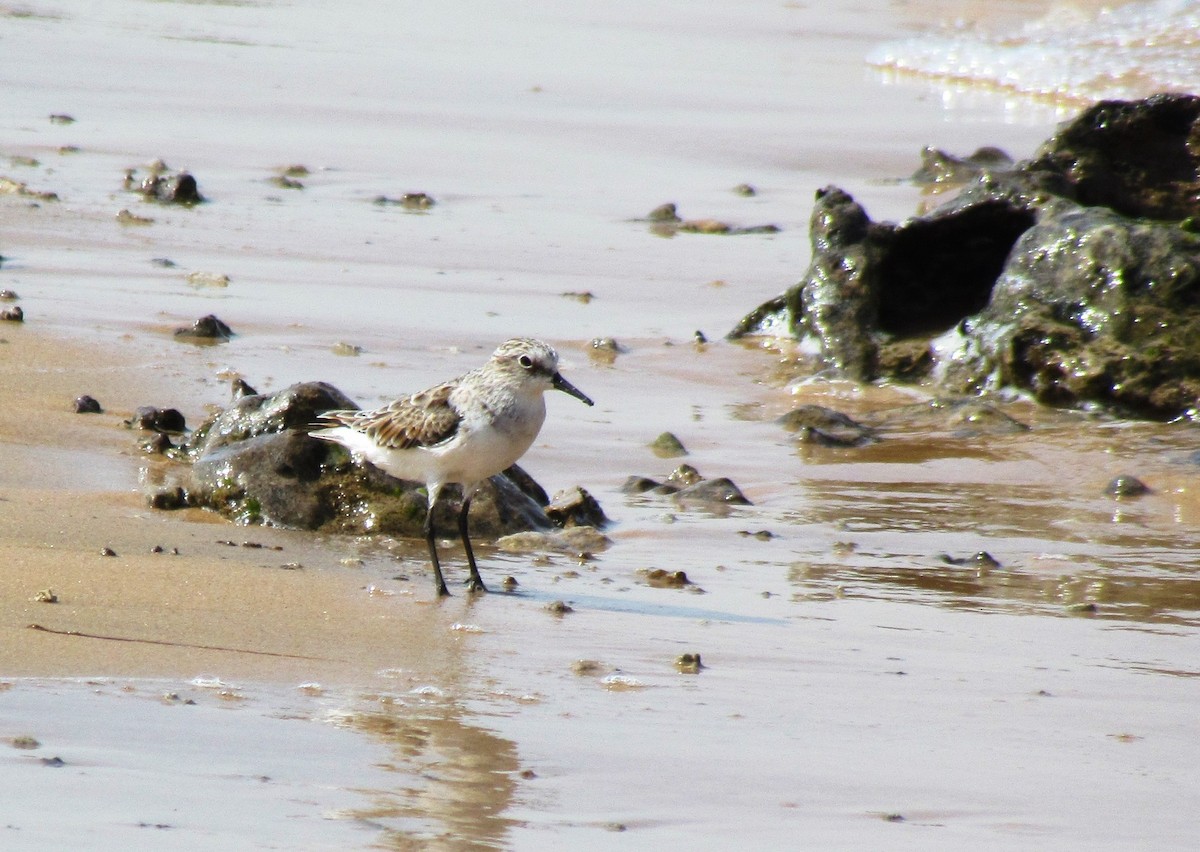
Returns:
(866, 681)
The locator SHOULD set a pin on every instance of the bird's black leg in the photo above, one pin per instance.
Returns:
(439, 580)
(475, 584)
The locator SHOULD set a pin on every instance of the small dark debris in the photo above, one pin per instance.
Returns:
(745, 190)
(240, 388)
(87, 405)
(164, 262)
(1126, 486)
(61, 118)
(667, 446)
(699, 337)
(13, 314)
(528, 774)
(659, 578)
(409, 201)
(8, 295)
(575, 507)
(157, 419)
(107, 551)
(559, 608)
(584, 296)
(893, 817)
(761, 535)
(689, 663)
(982, 559)
(663, 213)
(157, 443)
(206, 328)
(178, 188)
(509, 583)
(54, 762)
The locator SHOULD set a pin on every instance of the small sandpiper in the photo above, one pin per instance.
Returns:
(464, 430)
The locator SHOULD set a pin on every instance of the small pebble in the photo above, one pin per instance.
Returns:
(13, 314)
(107, 551)
(1126, 486)
(87, 405)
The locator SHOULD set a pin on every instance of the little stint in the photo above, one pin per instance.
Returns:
(464, 430)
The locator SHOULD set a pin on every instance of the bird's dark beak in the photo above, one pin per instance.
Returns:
(566, 387)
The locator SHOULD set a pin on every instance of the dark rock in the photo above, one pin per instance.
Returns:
(13, 314)
(8, 295)
(575, 507)
(940, 167)
(642, 484)
(157, 419)
(720, 490)
(206, 328)
(295, 407)
(815, 424)
(178, 188)
(240, 388)
(409, 200)
(167, 498)
(87, 405)
(683, 476)
(1126, 486)
(667, 446)
(663, 213)
(157, 443)
(982, 560)
(1074, 276)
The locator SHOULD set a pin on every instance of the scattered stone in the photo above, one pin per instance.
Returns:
(660, 579)
(207, 328)
(509, 583)
(87, 405)
(745, 190)
(584, 296)
(157, 443)
(8, 186)
(8, 296)
(684, 476)
(559, 608)
(981, 560)
(61, 118)
(199, 279)
(13, 314)
(605, 349)
(720, 490)
(126, 216)
(667, 446)
(815, 424)
(157, 419)
(940, 167)
(409, 201)
(178, 188)
(587, 667)
(167, 498)
(53, 762)
(164, 262)
(570, 540)
(346, 350)
(107, 551)
(239, 388)
(285, 182)
(689, 663)
(643, 484)
(1126, 486)
(761, 535)
(575, 507)
(45, 596)
(663, 213)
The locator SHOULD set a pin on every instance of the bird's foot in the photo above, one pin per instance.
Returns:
(476, 585)
(443, 592)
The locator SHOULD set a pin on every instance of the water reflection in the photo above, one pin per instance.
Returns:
(457, 779)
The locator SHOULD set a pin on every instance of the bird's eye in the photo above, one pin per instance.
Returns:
(525, 361)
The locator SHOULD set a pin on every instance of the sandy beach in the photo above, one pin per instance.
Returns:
(200, 684)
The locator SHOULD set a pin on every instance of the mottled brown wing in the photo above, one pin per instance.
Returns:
(420, 420)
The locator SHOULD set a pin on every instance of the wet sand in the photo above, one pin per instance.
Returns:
(857, 689)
